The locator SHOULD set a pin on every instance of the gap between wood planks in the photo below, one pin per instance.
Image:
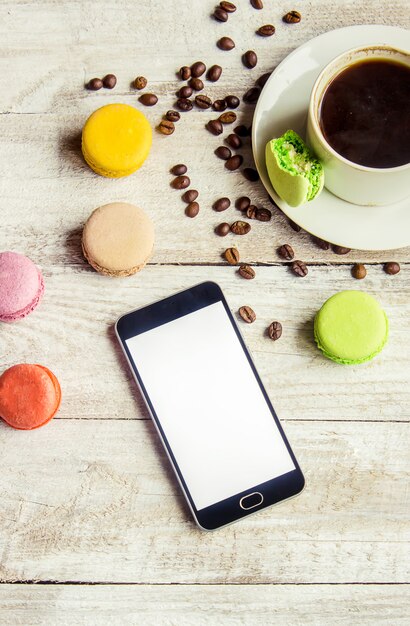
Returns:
(205, 584)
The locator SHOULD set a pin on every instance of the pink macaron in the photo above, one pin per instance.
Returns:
(21, 286)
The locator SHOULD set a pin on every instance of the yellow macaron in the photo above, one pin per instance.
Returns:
(116, 140)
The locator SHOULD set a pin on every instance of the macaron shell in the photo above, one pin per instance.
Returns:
(118, 239)
(30, 396)
(21, 286)
(290, 187)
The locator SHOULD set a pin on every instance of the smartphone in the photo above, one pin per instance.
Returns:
(208, 403)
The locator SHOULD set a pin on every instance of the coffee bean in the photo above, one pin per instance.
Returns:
(262, 80)
(179, 169)
(240, 228)
(228, 118)
(241, 131)
(221, 205)
(184, 104)
(225, 43)
(257, 4)
(391, 268)
(214, 127)
(263, 215)
(166, 127)
(251, 211)
(192, 209)
(185, 72)
(246, 271)
(219, 105)
(252, 95)
(275, 331)
(232, 102)
(249, 59)
(229, 7)
(185, 92)
(250, 174)
(196, 84)
(172, 116)
(242, 203)
(94, 84)
(340, 250)
(299, 268)
(232, 256)
(190, 195)
(266, 31)
(286, 252)
(214, 73)
(203, 102)
(359, 271)
(148, 99)
(247, 314)
(181, 182)
(222, 229)
(197, 69)
(233, 141)
(109, 81)
(323, 245)
(292, 224)
(222, 152)
(234, 162)
(292, 17)
(220, 14)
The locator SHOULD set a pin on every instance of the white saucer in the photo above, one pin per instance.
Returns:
(283, 105)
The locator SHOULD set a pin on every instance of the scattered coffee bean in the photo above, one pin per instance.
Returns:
(340, 250)
(225, 43)
(214, 73)
(203, 102)
(234, 141)
(214, 127)
(252, 95)
(263, 215)
(299, 268)
(179, 169)
(242, 203)
(219, 105)
(197, 69)
(250, 174)
(232, 102)
(221, 205)
(190, 195)
(185, 72)
(228, 118)
(192, 209)
(229, 7)
(292, 224)
(222, 152)
(184, 104)
(286, 252)
(172, 116)
(251, 211)
(94, 84)
(292, 17)
(249, 59)
(180, 182)
(262, 80)
(241, 131)
(257, 4)
(220, 14)
(247, 314)
(109, 81)
(148, 99)
(275, 331)
(246, 271)
(222, 229)
(232, 256)
(321, 243)
(234, 162)
(391, 268)
(166, 127)
(196, 84)
(266, 31)
(185, 92)
(359, 271)
(240, 227)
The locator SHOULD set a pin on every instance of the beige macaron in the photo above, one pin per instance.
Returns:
(118, 239)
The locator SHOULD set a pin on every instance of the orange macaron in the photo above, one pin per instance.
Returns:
(30, 396)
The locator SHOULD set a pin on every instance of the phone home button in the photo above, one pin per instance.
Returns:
(251, 500)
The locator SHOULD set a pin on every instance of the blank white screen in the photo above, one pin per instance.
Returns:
(209, 404)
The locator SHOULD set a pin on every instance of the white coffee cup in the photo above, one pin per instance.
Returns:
(348, 180)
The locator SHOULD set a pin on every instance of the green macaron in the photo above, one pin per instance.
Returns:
(296, 175)
(351, 327)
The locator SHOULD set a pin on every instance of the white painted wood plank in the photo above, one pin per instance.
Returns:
(96, 501)
(203, 605)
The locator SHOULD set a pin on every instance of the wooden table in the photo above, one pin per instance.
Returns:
(94, 529)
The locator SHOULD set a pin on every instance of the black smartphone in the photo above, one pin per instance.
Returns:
(210, 408)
